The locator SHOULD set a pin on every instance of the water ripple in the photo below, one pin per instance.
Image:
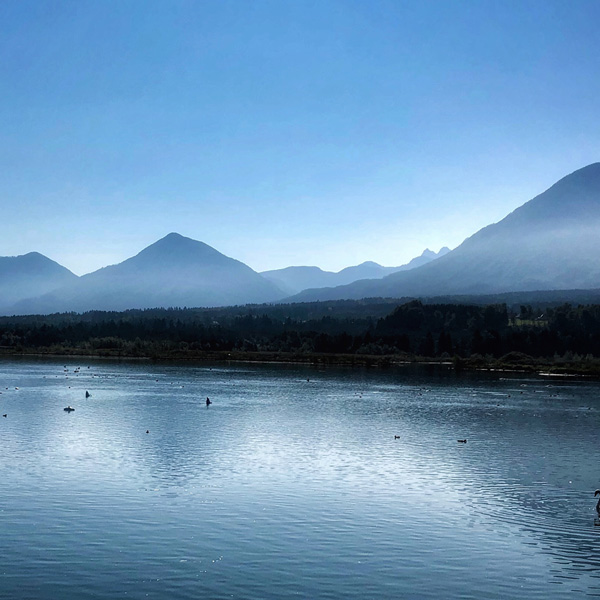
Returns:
(315, 483)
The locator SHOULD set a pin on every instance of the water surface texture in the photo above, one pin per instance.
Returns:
(295, 482)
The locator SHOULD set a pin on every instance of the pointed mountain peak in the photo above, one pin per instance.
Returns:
(28, 275)
(173, 271)
(179, 249)
(29, 256)
(32, 262)
(174, 239)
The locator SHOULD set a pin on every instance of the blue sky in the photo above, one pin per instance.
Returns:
(286, 132)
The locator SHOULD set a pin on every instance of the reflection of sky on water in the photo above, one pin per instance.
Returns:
(279, 462)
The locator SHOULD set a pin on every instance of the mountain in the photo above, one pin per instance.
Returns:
(427, 256)
(29, 275)
(296, 279)
(174, 271)
(549, 243)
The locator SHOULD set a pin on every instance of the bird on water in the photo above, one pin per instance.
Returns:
(597, 493)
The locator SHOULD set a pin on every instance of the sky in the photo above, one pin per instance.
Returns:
(286, 132)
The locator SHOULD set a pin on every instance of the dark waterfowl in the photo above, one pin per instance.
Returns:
(87, 394)
(597, 493)
(5, 415)
(462, 441)
(69, 408)
(208, 402)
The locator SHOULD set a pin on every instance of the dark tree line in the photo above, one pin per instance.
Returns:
(376, 328)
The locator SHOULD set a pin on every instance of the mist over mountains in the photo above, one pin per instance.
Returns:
(549, 243)
(175, 271)
(296, 279)
(29, 275)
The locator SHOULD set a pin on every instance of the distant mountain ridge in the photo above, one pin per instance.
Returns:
(549, 243)
(296, 279)
(28, 275)
(174, 271)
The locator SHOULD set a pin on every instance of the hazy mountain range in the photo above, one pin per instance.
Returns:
(174, 271)
(29, 275)
(295, 279)
(549, 243)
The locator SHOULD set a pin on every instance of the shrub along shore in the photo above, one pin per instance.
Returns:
(378, 333)
(515, 362)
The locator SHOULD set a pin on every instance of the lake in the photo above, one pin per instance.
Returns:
(296, 482)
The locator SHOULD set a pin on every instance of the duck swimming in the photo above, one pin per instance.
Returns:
(69, 409)
(597, 493)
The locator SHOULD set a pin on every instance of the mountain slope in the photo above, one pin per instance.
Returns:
(29, 275)
(549, 243)
(295, 279)
(174, 271)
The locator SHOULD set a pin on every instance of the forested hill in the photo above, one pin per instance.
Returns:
(413, 328)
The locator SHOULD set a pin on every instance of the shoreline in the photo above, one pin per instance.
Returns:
(540, 367)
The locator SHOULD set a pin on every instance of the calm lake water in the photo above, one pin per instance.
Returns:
(292, 483)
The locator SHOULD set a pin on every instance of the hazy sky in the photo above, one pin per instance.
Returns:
(286, 132)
